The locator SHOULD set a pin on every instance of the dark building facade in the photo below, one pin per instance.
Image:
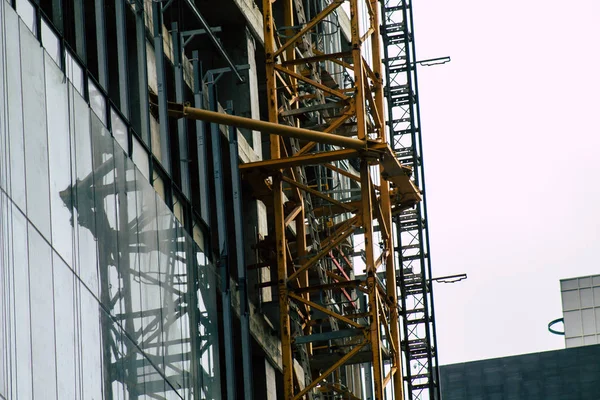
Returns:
(569, 374)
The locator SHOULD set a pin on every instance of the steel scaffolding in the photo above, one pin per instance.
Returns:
(412, 251)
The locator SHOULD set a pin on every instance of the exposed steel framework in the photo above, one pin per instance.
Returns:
(296, 68)
(412, 252)
(327, 118)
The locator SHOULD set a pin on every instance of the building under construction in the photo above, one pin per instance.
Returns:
(212, 200)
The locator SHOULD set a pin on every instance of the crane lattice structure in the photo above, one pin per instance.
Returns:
(327, 121)
(412, 251)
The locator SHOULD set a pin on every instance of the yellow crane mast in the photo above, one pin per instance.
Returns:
(321, 333)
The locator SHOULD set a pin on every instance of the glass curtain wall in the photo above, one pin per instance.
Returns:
(103, 294)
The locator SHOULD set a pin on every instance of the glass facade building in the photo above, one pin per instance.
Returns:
(104, 293)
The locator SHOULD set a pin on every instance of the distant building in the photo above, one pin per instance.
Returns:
(581, 310)
(569, 374)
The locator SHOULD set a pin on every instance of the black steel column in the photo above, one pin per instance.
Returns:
(240, 260)
(223, 263)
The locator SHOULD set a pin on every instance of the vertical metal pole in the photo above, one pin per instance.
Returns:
(122, 57)
(374, 324)
(201, 143)
(279, 222)
(142, 72)
(391, 289)
(181, 122)
(240, 261)
(162, 89)
(224, 269)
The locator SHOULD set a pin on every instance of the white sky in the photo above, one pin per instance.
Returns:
(511, 145)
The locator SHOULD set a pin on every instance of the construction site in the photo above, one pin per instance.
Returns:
(213, 200)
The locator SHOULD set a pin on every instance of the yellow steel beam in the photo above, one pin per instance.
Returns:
(325, 310)
(339, 235)
(319, 194)
(267, 127)
(330, 370)
(316, 19)
(312, 82)
(309, 159)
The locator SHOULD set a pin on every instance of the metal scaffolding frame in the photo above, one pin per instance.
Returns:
(412, 252)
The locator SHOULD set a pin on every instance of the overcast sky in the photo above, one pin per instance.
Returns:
(511, 143)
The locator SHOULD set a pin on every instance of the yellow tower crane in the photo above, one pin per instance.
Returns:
(351, 127)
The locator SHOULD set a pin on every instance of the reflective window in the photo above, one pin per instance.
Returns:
(15, 109)
(24, 381)
(119, 130)
(85, 200)
(74, 72)
(51, 43)
(140, 158)
(42, 316)
(97, 101)
(36, 139)
(27, 14)
(59, 151)
(64, 319)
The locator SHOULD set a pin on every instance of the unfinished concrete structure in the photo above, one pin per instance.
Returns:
(156, 245)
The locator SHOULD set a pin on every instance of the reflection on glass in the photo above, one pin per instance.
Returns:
(119, 130)
(15, 109)
(42, 316)
(140, 158)
(74, 72)
(59, 150)
(64, 318)
(36, 139)
(27, 14)
(22, 304)
(51, 43)
(97, 101)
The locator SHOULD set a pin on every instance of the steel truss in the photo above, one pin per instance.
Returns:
(412, 251)
(321, 323)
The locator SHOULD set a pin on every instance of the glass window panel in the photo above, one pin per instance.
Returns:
(570, 300)
(587, 340)
(74, 72)
(15, 109)
(59, 150)
(42, 316)
(4, 158)
(51, 42)
(149, 273)
(589, 321)
(585, 282)
(84, 212)
(91, 349)
(573, 325)
(140, 158)
(106, 222)
(119, 130)
(36, 139)
(596, 280)
(27, 14)
(574, 342)
(64, 319)
(569, 284)
(587, 298)
(97, 101)
(24, 381)
(172, 293)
